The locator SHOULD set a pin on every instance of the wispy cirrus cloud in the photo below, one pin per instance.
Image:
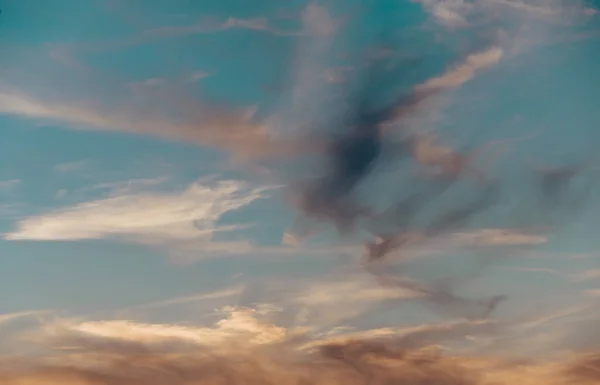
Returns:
(129, 186)
(143, 217)
(202, 298)
(464, 72)
(211, 25)
(458, 13)
(315, 18)
(218, 126)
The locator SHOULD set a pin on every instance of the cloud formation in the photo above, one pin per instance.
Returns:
(142, 216)
(242, 348)
(247, 346)
(223, 127)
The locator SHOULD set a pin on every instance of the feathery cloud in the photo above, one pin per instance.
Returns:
(464, 72)
(143, 217)
(230, 129)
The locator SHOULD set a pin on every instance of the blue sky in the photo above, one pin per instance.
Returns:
(131, 190)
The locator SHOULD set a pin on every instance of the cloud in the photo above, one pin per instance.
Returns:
(458, 13)
(130, 186)
(211, 125)
(143, 217)
(199, 298)
(143, 87)
(317, 21)
(342, 299)
(593, 292)
(238, 324)
(71, 166)
(198, 75)
(585, 368)
(352, 156)
(549, 10)
(211, 25)
(587, 275)
(449, 13)
(497, 237)
(245, 348)
(6, 318)
(237, 351)
(415, 243)
(338, 75)
(462, 73)
(538, 270)
(9, 185)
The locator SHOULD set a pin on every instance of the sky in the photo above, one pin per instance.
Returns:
(181, 199)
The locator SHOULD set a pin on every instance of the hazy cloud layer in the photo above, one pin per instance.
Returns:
(241, 348)
(296, 330)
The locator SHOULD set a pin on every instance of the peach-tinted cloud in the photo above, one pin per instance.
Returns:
(235, 130)
(243, 348)
(143, 217)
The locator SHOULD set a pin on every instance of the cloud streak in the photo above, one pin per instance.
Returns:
(143, 217)
(230, 129)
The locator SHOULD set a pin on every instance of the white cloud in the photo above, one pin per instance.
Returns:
(143, 217)
(239, 324)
